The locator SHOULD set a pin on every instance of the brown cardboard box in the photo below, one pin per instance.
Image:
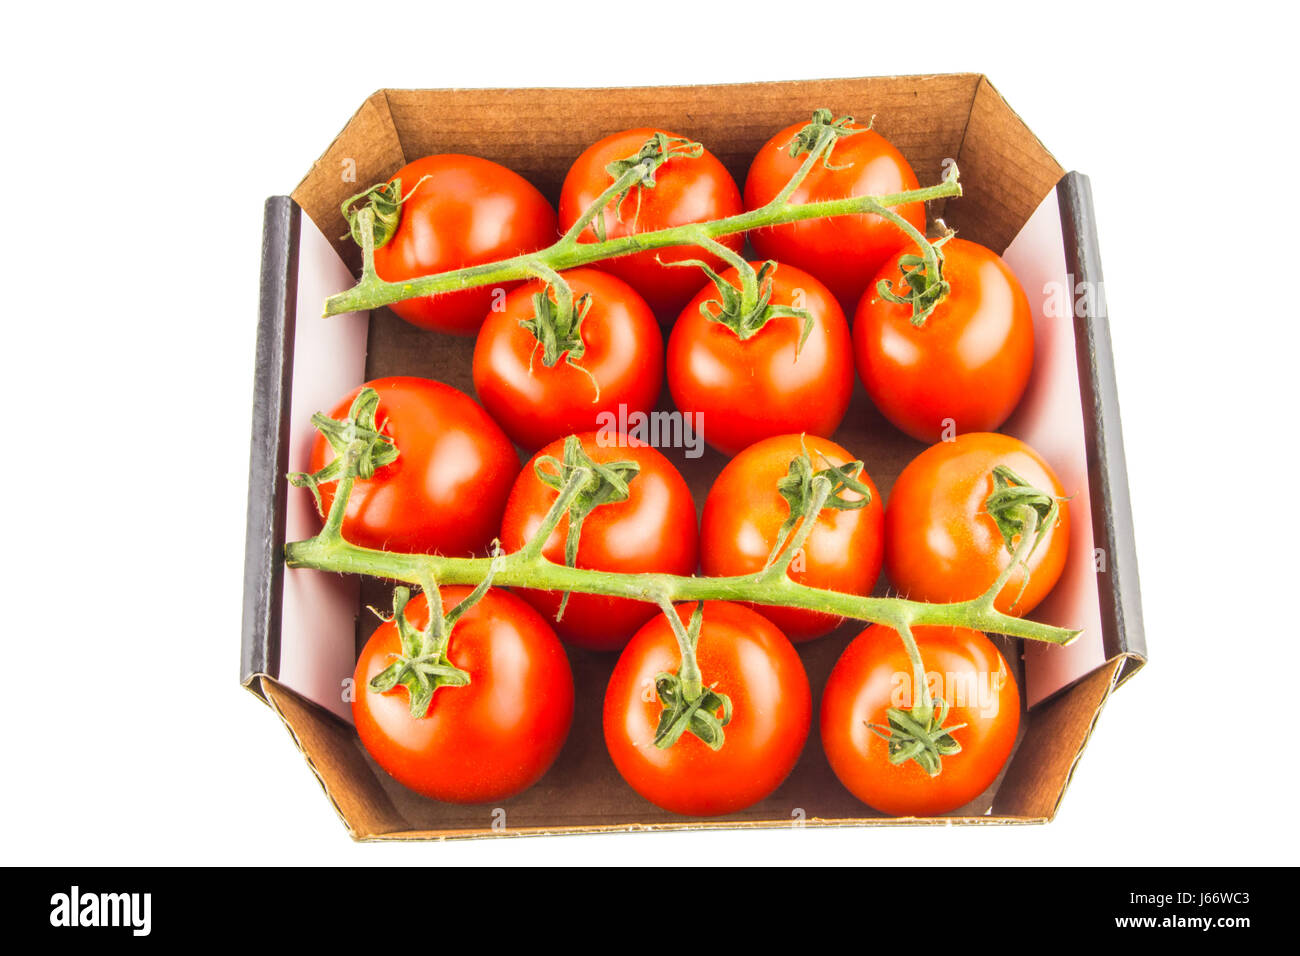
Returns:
(1006, 173)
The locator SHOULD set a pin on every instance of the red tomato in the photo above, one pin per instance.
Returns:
(749, 389)
(655, 529)
(447, 488)
(687, 189)
(846, 251)
(874, 673)
(535, 404)
(741, 654)
(469, 211)
(967, 365)
(744, 513)
(942, 545)
(489, 739)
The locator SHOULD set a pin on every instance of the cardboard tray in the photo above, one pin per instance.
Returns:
(302, 629)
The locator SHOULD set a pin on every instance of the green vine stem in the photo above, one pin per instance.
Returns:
(637, 172)
(529, 568)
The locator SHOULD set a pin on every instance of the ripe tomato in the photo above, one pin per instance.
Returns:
(489, 739)
(970, 361)
(846, 251)
(749, 389)
(687, 189)
(941, 544)
(448, 486)
(654, 529)
(537, 404)
(467, 212)
(874, 674)
(741, 654)
(744, 513)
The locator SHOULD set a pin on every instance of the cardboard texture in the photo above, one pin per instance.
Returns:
(1006, 173)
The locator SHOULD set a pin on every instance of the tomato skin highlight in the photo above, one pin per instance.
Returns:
(490, 739)
(942, 545)
(743, 515)
(741, 654)
(654, 530)
(844, 252)
(755, 388)
(536, 404)
(447, 488)
(969, 363)
(874, 674)
(686, 190)
(469, 211)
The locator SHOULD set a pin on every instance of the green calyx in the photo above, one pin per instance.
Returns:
(1019, 510)
(359, 431)
(384, 200)
(639, 170)
(748, 309)
(923, 286)
(422, 666)
(689, 706)
(823, 129)
(797, 488)
(918, 734)
(1006, 506)
(606, 483)
(556, 324)
(698, 716)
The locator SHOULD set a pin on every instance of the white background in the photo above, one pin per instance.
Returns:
(138, 148)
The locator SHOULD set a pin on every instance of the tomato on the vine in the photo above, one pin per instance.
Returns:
(745, 512)
(460, 211)
(740, 654)
(747, 389)
(687, 189)
(447, 487)
(874, 674)
(966, 367)
(489, 739)
(654, 530)
(844, 252)
(941, 543)
(621, 361)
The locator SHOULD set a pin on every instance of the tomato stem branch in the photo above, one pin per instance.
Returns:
(748, 275)
(333, 529)
(371, 292)
(687, 641)
(582, 484)
(921, 695)
(629, 178)
(826, 139)
(572, 488)
(528, 568)
(1019, 558)
(821, 490)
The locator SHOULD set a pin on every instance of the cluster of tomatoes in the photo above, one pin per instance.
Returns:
(768, 393)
